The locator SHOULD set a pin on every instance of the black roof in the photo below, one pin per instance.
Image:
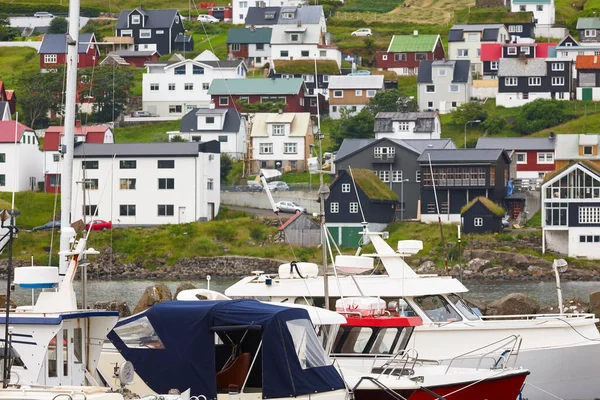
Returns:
(465, 156)
(461, 68)
(352, 146)
(56, 43)
(490, 32)
(153, 18)
(256, 15)
(178, 149)
(189, 122)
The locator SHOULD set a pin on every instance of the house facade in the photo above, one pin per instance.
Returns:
(148, 183)
(253, 45)
(464, 42)
(352, 92)
(157, 30)
(492, 53)
(534, 157)
(53, 51)
(405, 53)
(571, 211)
(587, 86)
(280, 141)
(296, 15)
(577, 147)
(240, 7)
(227, 93)
(481, 215)
(444, 85)
(520, 30)
(588, 30)
(225, 125)
(302, 42)
(20, 163)
(175, 88)
(408, 125)
(53, 138)
(461, 175)
(394, 161)
(521, 82)
(543, 10)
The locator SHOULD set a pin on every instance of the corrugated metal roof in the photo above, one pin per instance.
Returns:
(258, 86)
(257, 16)
(352, 146)
(491, 51)
(7, 131)
(588, 23)
(461, 70)
(588, 62)
(413, 43)
(248, 35)
(56, 43)
(461, 155)
(189, 122)
(508, 143)
(154, 18)
(356, 82)
(309, 34)
(517, 67)
(177, 149)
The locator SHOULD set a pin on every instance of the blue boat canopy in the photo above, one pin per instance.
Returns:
(172, 345)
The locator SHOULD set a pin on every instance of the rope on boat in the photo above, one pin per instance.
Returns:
(473, 384)
(542, 390)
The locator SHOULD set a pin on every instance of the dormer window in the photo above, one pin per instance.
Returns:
(177, 19)
(180, 70)
(294, 37)
(587, 150)
(197, 70)
(288, 15)
(278, 130)
(135, 19)
(270, 15)
(473, 37)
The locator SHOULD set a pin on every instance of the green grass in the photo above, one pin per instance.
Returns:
(589, 123)
(303, 177)
(374, 188)
(535, 221)
(407, 85)
(146, 133)
(218, 41)
(378, 6)
(136, 83)
(15, 61)
(490, 16)
(36, 208)
(117, 5)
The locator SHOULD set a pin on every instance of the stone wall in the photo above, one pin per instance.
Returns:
(489, 3)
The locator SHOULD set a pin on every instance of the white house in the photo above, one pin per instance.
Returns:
(173, 88)
(464, 42)
(297, 42)
(20, 164)
(571, 211)
(280, 141)
(147, 183)
(543, 10)
(263, 16)
(408, 125)
(240, 7)
(226, 125)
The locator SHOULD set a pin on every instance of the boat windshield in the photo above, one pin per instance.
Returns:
(463, 307)
(139, 334)
(309, 349)
(371, 340)
(327, 335)
(437, 309)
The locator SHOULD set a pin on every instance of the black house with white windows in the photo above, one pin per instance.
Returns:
(159, 30)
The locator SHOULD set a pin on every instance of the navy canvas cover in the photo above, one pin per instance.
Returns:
(188, 357)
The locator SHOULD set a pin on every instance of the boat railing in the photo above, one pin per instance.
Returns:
(501, 353)
(537, 316)
(399, 362)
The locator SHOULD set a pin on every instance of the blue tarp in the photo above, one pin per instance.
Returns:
(188, 359)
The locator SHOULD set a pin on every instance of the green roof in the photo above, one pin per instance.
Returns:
(373, 187)
(247, 36)
(588, 23)
(490, 205)
(329, 67)
(258, 86)
(412, 43)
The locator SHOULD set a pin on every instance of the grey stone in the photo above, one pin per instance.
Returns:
(120, 306)
(183, 286)
(594, 306)
(427, 267)
(478, 264)
(513, 304)
(152, 295)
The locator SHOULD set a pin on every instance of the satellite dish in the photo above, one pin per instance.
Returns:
(126, 373)
(560, 265)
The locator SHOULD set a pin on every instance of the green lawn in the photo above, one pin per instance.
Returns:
(146, 133)
(117, 5)
(36, 208)
(16, 60)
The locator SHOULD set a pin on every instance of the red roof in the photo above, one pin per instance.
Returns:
(7, 131)
(79, 130)
(289, 221)
(491, 51)
(542, 49)
(587, 62)
(9, 94)
(93, 134)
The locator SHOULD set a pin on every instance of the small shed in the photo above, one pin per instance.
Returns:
(184, 42)
(482, 215)
(301, 230)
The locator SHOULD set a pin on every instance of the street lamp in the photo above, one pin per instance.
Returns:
(402, 199)
(476, 121)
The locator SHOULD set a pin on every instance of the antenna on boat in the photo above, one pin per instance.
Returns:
(560, 266)
(437, 206)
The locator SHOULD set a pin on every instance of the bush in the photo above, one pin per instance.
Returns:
(224, 232)
(466, 112)
(540, 114)
(493, 125)
(258, 233)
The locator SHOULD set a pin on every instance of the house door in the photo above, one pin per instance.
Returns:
(442, 106)
(211, 211)
(182, 218)
(351, 236)
(586, 94)
(32, 182)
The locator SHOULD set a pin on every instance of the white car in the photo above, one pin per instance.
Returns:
(208, 19)
(362, 32)
(43, 14)
(289, 207)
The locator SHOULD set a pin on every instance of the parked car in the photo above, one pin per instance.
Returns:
(278, 186)
(142, 113)
(99, 225)
(362, 32)
(208, 19)
(289, 207)
(249, 188)
(43, 14)
(47, 226)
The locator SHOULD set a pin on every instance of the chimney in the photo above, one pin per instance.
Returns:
(78, 123)
(211, 105)
(552, 135)
(299, 24)
(415, 33)
(141, 6)
(262, 5)
(252, 28)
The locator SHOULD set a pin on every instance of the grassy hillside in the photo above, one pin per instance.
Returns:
(117, 5)
(146, 133)
(16, 60)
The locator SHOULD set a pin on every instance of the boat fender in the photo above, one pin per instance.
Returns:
(294, 266)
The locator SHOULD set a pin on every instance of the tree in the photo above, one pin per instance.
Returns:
(58, 25)
(95, 28)
(6, 32)
(369, 49)
(352, 126)
(266, 107)
(540, 114)
(39, 93)
(226, 165)
(466, 112)
(178, 138)
(108, 88)
(391, 100)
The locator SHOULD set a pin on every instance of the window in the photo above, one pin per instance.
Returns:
(3, 180)
(154, 86)
(92, 184)
(50, 58)
(175, 109)
(304, 53)
(384, 175)
(89, 164)
(545, 158)
(223, 101)
(477, 221)
(210, 120)
(197, 70)
(205, 85)
(454, 104)
(384, 57)
(418, 176)
(589, 239)
(308, 347)
(90, 210)
(127, 164)
(127, 32)
(290, 148)
(556, 213)
(515, 28)
(160, 32)
(135, 19)
(473, 37)
(127, 210)
(521, 158)
(210, 184)
(166, 183)
(371, 93)
(171, 86)
(308, 78)
(442, 72)
(511, 51)
(558, 81)
(535, 81)
(384, 152)
(287, 15)
(510, 81)
(260, 46)
(590, 33)
(145, 33)
(399, 57)
(334, 208)
(396, 176)
(558, 66)
(278, 130)
(444, 208)
(338, 93)
(430, 105)
(587, 150)
(430, 88)
(589, 215)
(54, 181)
(283, 53)
(166, 164)
(540, 7)
(243, 4)
(420, 56)
(358, 93)
(294, 37)
(235, 47)
(188, 86)
(127, 184)
(325, 78)
(463, 52)
(463, 307)
(353, 208)
(431, 209)
(166, 210)
(322, 53)
(454, 88)
(403, 126)
(525, 50)
(55, 157)
(345, 188)
(522, 8)
(266, 148)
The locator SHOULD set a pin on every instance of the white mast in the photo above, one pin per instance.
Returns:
(69, 136)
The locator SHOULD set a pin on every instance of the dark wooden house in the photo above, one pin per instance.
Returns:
(301, 230)
(481, 215)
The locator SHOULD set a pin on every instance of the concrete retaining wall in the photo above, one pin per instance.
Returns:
(33, 45)
(305, 199)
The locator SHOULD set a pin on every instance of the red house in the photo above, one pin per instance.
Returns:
(492, 53)
(227, 93)
(53, 140)
(53, 51)
(405, 53)
(130, 58)
(8, 96)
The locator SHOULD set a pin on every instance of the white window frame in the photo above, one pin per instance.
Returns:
(525, 50)
(50, 58)
(427, 88)
(325, 78)
(278, 130)
(290, 148)
(353, 207)
(126, 33)
(397, 176)
(334, 207)
(136, 19)
(235, 47)
(558, 66)
(418, 176)
(545, 158)
(535, 81)
(589, 215)
(494, 65)
(266, 148)
(403, 126)
(478, 221)
(384, 57)
(371, 93)
(188, 86)
(454, 91)
(384, 175)
(223, 103)
(524, 161)
(463, 53)
(154, 87)
(589, 33)
(345, 188)
(442, 72)
(338, 94)
(558, 81)
(511, 51)
(358, 93)
(171, 86)
(511, 81)
(145, 33)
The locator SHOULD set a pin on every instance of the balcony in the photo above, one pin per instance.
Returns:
(384, 158)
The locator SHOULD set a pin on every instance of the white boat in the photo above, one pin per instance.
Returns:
(562, 351)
